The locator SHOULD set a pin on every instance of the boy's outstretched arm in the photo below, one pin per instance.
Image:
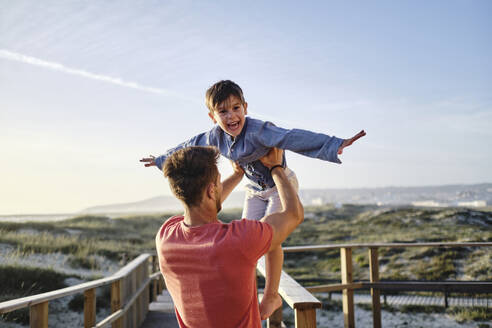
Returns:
(348, 142)
(303, 142)
(209, 138)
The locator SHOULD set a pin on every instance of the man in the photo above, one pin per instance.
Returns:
(209, 267)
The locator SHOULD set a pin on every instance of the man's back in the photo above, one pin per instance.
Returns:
(210, 270)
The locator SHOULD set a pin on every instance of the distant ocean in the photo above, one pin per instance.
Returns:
(36, 217)
(60, 217)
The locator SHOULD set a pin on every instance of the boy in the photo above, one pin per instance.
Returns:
(244, 140)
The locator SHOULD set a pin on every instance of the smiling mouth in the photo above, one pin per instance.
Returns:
(233, 126)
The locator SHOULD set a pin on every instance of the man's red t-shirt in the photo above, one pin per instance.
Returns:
(210, 270)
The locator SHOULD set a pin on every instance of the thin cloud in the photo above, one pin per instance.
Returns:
(9, 55)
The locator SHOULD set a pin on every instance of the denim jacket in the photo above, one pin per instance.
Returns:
(255, 140)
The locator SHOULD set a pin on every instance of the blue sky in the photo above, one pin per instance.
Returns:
(88, 88)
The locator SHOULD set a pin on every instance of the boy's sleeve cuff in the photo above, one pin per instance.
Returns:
(159, 161)
(334, 156)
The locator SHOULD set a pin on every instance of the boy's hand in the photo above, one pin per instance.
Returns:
(348, 142)
(274, 157)
(237, 168)
(149, 161)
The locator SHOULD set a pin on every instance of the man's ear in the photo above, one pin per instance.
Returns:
(245, 105)
(211, 190)
(211, 115)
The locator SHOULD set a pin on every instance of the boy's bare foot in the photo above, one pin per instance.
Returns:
(269, 304)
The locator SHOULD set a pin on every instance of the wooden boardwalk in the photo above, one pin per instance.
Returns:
(161, 313)
(138, 282)
(405, 299)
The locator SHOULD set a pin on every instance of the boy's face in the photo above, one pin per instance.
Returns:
(230, 115)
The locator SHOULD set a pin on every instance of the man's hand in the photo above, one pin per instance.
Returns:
(149, 161)
(274, 157)
(237, 168)
(348, 142)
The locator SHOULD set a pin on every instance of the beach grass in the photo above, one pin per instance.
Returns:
(86, 239)
(19, 281)
(117, 239)
(373, 224)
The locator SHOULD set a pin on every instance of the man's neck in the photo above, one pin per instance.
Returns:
(198, 216)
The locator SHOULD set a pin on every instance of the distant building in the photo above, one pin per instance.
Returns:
(428, 203)
(474, 203)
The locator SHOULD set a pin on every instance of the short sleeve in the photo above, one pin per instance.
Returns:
(254, 237)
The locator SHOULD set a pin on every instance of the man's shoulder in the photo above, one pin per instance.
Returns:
(245, 227)
(170, 223)
(173, 220)
(252, 237)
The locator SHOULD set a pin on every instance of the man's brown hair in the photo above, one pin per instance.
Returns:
(190, 170)
(220, 91)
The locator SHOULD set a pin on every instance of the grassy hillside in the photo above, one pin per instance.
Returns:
(84, 239)
(89, 242)
(372, 224)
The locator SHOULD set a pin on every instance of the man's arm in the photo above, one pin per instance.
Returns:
(232, 181)
(292, 213)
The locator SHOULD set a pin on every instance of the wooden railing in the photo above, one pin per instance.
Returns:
(130, 288)
(297, 297)
(347, 285)
(129, 296)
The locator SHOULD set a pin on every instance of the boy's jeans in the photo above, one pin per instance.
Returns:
(258, 204)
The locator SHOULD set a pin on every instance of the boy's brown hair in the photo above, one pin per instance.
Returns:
(220, 91)
(190, 170)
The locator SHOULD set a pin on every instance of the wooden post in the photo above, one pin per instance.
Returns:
(38, 315)
(375, 293)
(155, 264)
(116, 302)
(138, 301)
(305, 318)
(275, 320)
(90, 308)
(348, 294)
(155, 283)
(132, 311)
(128, 292)
(146, 297)
(160, 281)
(160, 285)
(154, 289)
